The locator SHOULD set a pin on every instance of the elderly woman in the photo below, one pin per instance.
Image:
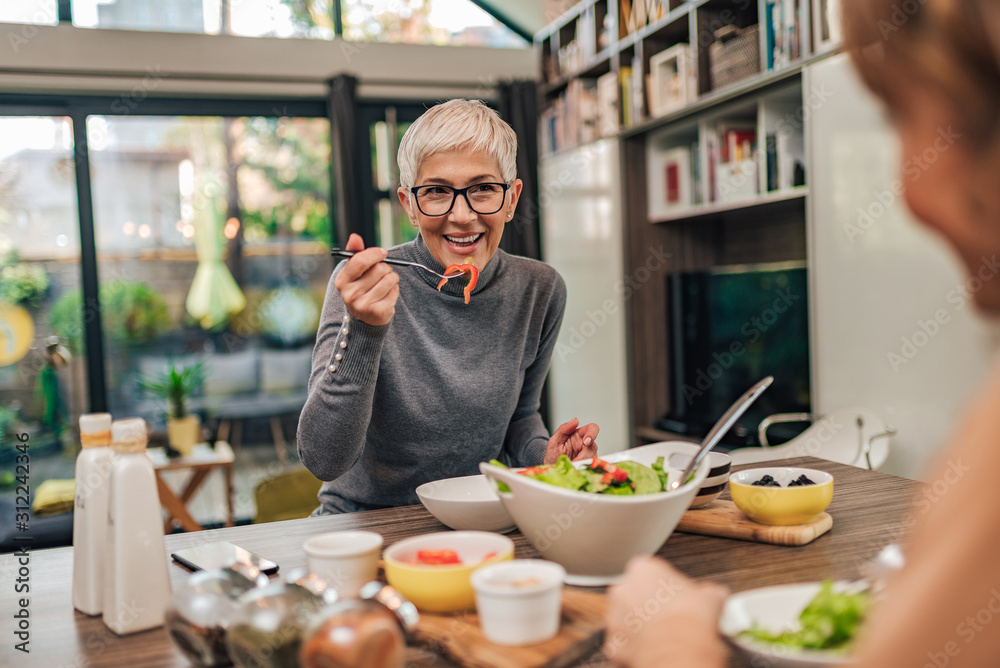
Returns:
(937, 66)
(413, 381)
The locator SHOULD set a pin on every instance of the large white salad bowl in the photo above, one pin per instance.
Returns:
(594, 535)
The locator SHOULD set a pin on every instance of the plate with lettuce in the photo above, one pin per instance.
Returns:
(798, 625)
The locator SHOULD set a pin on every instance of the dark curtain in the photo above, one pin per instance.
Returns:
(345, 159)
(518, 105)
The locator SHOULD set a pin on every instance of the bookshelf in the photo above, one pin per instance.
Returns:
(706, 101)
(717, 44)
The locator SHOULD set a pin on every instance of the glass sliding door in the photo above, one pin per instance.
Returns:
(42, 372)
(213, 238)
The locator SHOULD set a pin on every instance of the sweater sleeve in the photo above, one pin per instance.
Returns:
(338, 409)
(527, 437)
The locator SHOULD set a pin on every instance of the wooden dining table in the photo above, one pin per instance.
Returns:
(869, 510)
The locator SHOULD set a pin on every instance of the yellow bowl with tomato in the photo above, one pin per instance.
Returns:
(434, 571)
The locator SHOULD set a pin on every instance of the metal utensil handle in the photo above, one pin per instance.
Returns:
(336, 252)
(727, 421)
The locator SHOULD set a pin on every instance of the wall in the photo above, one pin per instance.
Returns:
(582, 238)
(893, 328)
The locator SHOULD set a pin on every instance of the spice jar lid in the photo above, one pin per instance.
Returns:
(405, 611)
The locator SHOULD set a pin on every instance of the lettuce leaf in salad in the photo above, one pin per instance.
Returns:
(563, 474)
(638, 478)
(829, 622)
(663, 475)
(645, 479)
(501, 486)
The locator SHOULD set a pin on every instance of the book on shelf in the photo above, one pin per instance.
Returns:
(732, 161)
(635, 14)
(670, 183)
(736, 181)
(573, 118)
(771, 161)
(607, 104)
(696, 197)
(786, 32)
(625, 83)
(638, 97)
(826, 23)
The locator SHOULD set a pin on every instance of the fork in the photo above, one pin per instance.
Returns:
(337, 252)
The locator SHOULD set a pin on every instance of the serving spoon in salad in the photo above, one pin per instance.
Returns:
(720, 428)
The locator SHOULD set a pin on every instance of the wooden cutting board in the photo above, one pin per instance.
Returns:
(722, 518)
(459, 637)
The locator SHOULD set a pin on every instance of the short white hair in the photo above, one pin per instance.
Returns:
(467, 125)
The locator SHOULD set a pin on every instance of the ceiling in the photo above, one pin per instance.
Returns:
(527, 15)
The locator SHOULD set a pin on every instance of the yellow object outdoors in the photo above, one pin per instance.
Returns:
(17, 332)
(214, 296)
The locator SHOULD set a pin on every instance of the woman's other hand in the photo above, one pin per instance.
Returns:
(657, 616)
(575, 443)
(368, 286)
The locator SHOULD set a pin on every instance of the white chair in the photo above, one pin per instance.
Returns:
(854, 436)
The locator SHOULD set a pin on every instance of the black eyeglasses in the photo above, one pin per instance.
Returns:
(483, 198)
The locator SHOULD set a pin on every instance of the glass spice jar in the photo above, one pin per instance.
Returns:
(369, 632)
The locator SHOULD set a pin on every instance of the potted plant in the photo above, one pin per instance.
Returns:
(176, 386)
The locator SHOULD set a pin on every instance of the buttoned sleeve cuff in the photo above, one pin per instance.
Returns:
(534, 451)
(356, 352)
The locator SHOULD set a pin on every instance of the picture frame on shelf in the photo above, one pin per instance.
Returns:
(672, 82)
(827, 31)
(669, 184)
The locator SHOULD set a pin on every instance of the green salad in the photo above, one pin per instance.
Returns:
(599, 476)
(829, 622)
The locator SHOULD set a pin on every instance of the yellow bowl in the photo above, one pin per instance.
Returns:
(781, 505)
(445, 588)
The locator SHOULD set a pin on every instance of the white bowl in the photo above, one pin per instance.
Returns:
(594, 535)
(469, 503)
(775, 609)
(519, 601)
(719, 464)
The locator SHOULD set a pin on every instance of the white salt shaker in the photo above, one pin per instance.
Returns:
(90, 512)
(136, 582)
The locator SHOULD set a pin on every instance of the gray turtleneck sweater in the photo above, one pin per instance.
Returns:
(445, 385)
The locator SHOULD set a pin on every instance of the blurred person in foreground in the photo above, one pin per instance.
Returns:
(936, 66)
(412, 381)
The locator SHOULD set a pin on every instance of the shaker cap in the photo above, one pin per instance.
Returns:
(95, 430)
(128, 435)
(405, 611)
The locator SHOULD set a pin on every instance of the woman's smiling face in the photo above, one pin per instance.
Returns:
(461, 233)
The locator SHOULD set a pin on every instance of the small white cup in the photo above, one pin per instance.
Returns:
(519, 602)
(346, 560)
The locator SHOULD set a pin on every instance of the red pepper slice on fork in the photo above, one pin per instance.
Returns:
(456, 270)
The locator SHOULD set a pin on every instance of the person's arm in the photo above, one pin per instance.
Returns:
(335, 417)
(527, 442)
(943, 608)
(527, 438)
(657, 616)
(359, 306)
